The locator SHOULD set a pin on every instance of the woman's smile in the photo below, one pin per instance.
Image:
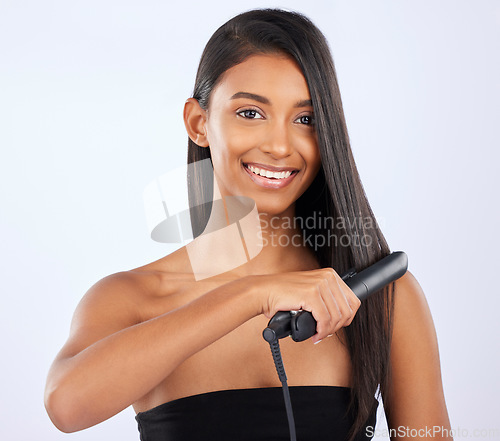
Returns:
(268, 177)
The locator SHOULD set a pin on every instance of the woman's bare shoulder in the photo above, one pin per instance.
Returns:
(133, 287)
(413, 322)
(121, 300)
(416, 392)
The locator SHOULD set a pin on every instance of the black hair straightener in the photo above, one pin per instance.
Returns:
(300, 325)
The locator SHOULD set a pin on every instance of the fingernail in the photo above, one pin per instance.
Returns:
(319, 341)
(330, 335)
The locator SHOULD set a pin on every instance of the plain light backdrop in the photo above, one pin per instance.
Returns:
(91, 99)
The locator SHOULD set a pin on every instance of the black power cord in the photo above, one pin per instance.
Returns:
(278, 362)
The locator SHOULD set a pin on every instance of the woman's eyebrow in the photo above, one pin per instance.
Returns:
(264, 100)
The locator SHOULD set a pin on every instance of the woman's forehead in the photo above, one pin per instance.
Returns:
(267, 76)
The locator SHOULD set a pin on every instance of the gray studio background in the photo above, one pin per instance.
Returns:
(91, 98)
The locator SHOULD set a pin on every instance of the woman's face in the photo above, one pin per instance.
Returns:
(260, 122)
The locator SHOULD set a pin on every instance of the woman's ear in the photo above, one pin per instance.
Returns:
(195, 119)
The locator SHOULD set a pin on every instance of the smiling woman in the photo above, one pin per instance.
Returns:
(187, 353)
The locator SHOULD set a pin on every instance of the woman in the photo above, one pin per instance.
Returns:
(267, 112)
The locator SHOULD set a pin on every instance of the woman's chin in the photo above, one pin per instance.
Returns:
(277, 209)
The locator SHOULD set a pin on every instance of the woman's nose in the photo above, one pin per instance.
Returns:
(277, 142)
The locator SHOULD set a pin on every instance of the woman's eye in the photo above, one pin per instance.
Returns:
(250, 114)
(305, 119)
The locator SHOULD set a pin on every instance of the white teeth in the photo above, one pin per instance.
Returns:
(269, 174)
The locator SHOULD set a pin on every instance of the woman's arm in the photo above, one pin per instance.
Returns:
(415, 405)
(111, 360)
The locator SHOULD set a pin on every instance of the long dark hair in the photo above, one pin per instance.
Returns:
(336, 193)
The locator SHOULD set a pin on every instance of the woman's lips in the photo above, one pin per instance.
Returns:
(270, 182)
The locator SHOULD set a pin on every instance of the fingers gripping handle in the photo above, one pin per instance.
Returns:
(302, 325)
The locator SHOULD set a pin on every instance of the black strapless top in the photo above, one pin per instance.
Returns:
(254, 414)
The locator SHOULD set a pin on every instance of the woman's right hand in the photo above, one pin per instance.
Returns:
(322, 292)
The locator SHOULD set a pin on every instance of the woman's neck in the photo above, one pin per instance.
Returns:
(241, 241)
(283, 243)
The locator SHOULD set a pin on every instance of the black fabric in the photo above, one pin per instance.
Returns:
(254, 414)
